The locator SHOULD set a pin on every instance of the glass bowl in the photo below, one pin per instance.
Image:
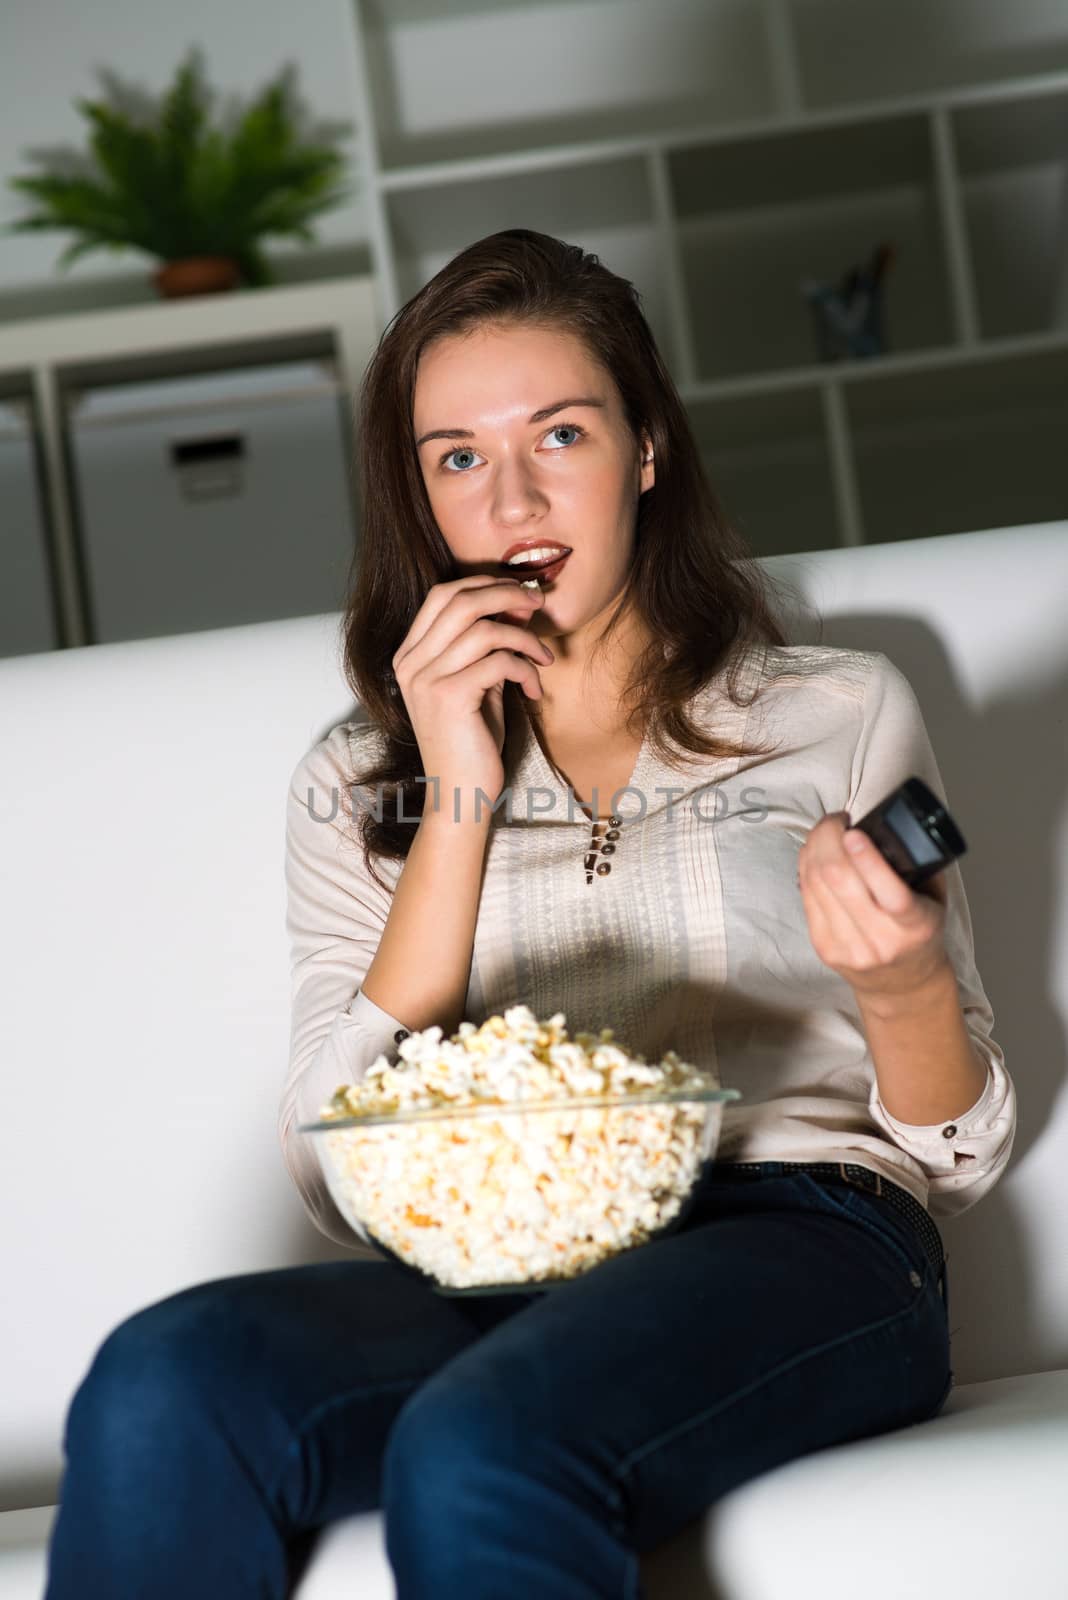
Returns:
(509, 1196)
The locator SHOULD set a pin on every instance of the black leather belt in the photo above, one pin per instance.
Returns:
(858, 1178)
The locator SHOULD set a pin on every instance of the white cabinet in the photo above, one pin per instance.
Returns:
(211, 500)
(27, 620)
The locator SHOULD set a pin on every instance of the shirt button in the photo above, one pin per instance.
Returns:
(401, 1033)
(915, 1279)
(948, 1133)
(604, 868)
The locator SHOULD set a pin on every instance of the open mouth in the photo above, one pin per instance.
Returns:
(545, 571)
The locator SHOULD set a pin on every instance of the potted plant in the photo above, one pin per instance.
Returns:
(199, 196)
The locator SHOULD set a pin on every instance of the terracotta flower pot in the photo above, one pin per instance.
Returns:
(197, 275)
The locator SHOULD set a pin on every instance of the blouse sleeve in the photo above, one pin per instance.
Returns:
(335, 916)
(962, 1159)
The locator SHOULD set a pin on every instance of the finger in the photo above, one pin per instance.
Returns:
(428, 621)
(845, 920)
(851, 886)
(435, 602)
(887, 888)
(935, 888)
(504, 636)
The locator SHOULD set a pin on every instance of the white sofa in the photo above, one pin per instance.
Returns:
(144, 1033)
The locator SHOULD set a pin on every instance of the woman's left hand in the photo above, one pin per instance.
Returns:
(864, 921)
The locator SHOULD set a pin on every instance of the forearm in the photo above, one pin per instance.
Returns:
(926, 1063)
(422, 965)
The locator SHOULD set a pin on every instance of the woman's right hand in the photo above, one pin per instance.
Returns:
(451, 670)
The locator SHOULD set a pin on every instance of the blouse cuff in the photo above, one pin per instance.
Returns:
(359, 1034)
(946, 1147)
(364, 1011)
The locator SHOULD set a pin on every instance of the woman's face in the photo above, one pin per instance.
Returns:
(517, 465)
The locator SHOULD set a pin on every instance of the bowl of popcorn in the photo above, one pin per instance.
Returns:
(512, 1157)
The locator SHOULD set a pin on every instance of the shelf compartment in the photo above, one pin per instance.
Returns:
(604, 206)
(756, 217)
(850, 51)
(976, 444)
(1012, 164)
(570, 72)
(767, 459)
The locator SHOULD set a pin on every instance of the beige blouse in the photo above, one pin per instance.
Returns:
(689, 932)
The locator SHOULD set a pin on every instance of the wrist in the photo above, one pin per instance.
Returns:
(444, 819)
(938, 988)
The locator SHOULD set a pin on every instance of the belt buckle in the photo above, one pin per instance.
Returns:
(848, 1178)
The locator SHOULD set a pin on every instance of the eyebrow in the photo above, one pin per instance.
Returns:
(535, 416)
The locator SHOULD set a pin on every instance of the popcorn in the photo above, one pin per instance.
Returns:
(479, 1199)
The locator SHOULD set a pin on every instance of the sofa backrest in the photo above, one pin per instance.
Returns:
(144, 1030)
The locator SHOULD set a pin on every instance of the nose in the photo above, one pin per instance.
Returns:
(516, 495)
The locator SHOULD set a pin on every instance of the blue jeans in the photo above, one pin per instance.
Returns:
(528, 1444)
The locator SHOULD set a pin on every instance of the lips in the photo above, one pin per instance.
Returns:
(562, 550)
(545, 575)
(546, 572)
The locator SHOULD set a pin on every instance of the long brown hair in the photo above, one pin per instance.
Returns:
(694, 582)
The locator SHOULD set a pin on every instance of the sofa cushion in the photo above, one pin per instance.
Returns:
(967, 1503)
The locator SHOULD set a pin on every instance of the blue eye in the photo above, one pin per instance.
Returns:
(567, 427)
(465, 450)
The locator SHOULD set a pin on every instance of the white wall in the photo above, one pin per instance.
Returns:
(49, 52)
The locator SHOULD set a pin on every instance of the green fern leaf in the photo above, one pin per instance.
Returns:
(173, 185)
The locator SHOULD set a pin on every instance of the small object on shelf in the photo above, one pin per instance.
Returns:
(200, 197)
(197, 275)
(848, 318)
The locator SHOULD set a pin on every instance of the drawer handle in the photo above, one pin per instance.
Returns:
(209, 469)
(224, 447)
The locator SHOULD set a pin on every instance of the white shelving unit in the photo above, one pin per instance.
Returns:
(717, 154)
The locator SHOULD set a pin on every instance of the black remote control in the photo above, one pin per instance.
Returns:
(914, 832)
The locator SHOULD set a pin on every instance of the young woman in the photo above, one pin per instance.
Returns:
(565, 799)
